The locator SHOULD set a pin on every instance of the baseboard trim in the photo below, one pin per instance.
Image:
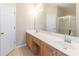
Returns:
(10, 52)
(23, 45)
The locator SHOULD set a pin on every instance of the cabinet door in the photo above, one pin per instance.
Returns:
(36, 46)
(29, 40)
(47, 50)
(58, 53)
(37, 41)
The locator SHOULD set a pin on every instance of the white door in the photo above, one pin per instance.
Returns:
(0, 37)
(8, 22)
(51, 22)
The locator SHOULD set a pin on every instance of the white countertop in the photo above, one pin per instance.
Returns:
(57, 41)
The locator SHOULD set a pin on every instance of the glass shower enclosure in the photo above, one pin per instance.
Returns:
(67, 25)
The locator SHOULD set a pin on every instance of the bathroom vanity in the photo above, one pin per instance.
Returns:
(43, 44)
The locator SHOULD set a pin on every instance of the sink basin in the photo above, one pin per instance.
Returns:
(65, 45)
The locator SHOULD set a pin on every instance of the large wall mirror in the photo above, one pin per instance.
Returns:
(63, 19)
(60, 18)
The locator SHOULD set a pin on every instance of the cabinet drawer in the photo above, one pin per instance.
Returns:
(47, 50)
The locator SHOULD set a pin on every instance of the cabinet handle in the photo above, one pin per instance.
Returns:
(2, 33)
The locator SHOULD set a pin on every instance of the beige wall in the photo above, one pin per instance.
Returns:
(77, 19)
(51, 8)
(70, 10)
(25, 20)
(60, 11)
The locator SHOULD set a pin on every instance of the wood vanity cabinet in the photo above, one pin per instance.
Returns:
(33, 43)
(29, 39)
(47, 50)
(40, 48)
(36, 46)
(58, 53)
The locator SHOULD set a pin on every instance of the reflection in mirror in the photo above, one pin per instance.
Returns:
(67, 25)
(66, 20)
(58, 18)
(61, 18)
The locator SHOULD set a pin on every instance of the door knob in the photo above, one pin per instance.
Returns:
(2, 33)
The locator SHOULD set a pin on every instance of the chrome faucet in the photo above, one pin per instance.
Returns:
(67, 39)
